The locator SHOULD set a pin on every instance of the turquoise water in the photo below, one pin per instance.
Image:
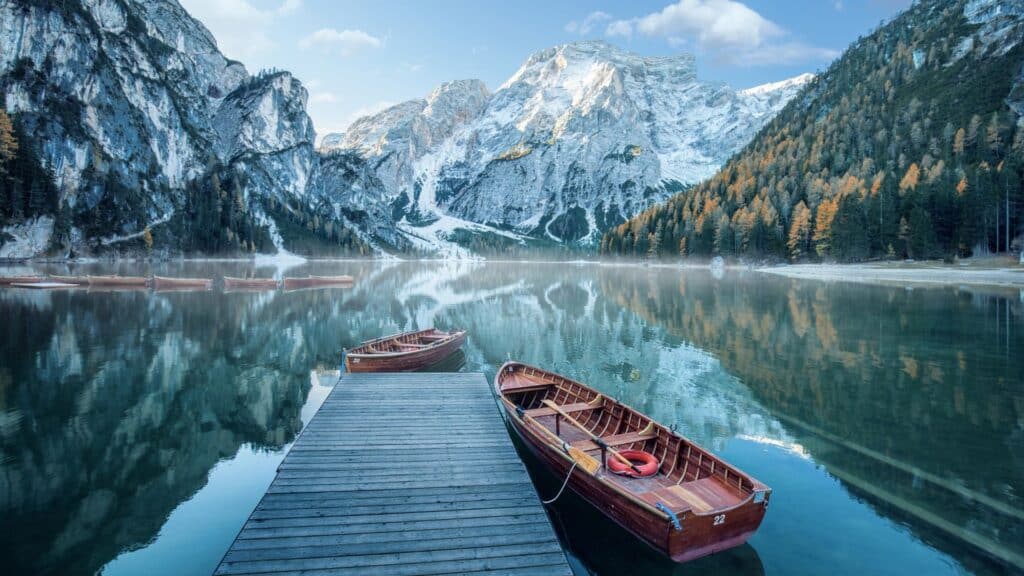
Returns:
(139, 429)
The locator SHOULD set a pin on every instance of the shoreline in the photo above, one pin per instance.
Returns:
(993, 271)
(996, 273)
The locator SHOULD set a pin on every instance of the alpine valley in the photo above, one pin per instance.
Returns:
(127, 131)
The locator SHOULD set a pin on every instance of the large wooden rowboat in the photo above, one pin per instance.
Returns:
(693, 505)
(118, 281)
(164, 283)
(250, 283)
(313, 281)
(404, 352)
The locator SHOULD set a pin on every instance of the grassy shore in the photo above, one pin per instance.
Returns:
(993, 271)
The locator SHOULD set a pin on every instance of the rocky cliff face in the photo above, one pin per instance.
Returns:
(580, 137)
(128, 95)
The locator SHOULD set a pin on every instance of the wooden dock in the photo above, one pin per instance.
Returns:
(400, 474)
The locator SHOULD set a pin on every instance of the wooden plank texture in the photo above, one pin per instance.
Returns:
(400, 473)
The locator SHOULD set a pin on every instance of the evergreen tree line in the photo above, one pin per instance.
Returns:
(215, 217)
(314, 230)
(27, 189)
(905, 147)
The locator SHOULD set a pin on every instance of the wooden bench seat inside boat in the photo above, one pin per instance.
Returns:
(568, 408)
(700, 496)
(615, 440)
(521, 382)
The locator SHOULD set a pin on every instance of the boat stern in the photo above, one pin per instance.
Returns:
(705, 534)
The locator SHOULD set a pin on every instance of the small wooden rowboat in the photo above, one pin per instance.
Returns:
(118, 281)
(679, 498)
(250, 283)
(76, 280)
(313, 281)
(6, 280)
(164, 283)
(404, 352)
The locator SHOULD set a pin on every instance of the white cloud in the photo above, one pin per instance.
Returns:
(623, 28)
(242, 30)
(347, 42)
(589, 23)
(368, 110)
(728, 29)
(289, 6)
(323, 97)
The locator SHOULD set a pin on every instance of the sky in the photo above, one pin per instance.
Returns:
(357, 57)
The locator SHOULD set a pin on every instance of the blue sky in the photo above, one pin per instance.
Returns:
(360, 56)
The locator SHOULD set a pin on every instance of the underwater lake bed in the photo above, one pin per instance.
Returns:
(139, 428)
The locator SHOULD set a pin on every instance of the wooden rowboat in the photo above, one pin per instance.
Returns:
(250, 283)
(6, 280)
(404, 352)
(313, 281)
(118, 281)
(76, 280)
(163, 283)
(693, 504)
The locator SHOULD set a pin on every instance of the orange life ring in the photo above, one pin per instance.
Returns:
(646, 463)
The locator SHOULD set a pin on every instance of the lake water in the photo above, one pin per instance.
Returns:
(139, 429)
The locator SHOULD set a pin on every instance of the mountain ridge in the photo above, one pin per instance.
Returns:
(582, 135)
(911, 145)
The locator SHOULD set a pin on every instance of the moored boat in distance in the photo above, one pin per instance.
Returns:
(103, 281)
(6, 280)
(76, 280)
(404, 352)
(250, 283)
(313, 281)
(669, 492)
(164, 283)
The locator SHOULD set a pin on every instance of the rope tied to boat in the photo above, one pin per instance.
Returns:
(564, 484)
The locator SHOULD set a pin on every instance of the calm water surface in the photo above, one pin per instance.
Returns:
(138, 430)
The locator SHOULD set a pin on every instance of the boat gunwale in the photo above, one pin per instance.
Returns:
(429, 347)
(756, 485)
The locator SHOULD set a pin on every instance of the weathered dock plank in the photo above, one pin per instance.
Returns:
(400, 474)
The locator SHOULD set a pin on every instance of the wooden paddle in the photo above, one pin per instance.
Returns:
(597, 439)
(584, 460)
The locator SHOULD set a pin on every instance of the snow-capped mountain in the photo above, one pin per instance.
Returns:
(129, 104)
(132, 98)
(582, 136)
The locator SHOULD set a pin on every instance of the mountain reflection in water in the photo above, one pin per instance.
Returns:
(890, 422)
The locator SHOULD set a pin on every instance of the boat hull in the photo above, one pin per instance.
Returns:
(133, 281)
(250, 283)
(315, 281)
(404, 362)
(76, 280)
(162, 283)
(7, 280)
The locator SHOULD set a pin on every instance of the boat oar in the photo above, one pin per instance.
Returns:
(597, 439)
(584, 460)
